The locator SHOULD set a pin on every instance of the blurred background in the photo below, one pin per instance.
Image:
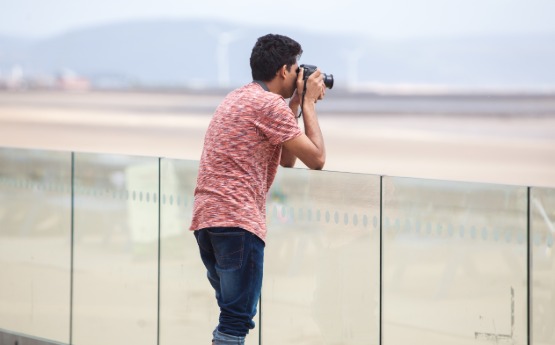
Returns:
(492, 44)
(459, 90)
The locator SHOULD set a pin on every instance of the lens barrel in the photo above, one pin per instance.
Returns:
(328, 80)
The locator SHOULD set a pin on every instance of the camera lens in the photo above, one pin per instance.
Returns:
(309, 69)
(328, 80)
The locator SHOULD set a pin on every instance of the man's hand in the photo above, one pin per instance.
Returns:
(315, 87)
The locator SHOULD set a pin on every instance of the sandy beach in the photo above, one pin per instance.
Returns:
(503, 140)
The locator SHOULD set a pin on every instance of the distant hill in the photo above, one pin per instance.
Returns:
(186, 53)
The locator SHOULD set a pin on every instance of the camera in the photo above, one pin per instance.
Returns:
(309, 69)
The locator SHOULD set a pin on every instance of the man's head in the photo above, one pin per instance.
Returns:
(271, 53)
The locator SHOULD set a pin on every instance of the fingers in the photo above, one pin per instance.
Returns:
(322, 92)
(318, 84)
(321, 79)
(315, 87)
(300, 75)
(317, 77)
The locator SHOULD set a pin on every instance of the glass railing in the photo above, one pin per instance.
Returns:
(115, 249)
(542, 265)
(35, 243)
(95, 249)
(454, 262)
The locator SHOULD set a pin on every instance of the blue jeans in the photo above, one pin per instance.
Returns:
(234, 259)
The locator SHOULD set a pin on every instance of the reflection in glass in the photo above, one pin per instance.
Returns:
(542, 223)
(321, 278)
(35, 233)
(454, 262)
(115, 250)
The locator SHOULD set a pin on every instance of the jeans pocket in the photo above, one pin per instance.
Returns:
(228, 249)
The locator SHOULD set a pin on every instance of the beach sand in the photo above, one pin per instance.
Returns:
(465, 146)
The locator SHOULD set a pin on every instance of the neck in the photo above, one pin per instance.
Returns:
(275, 87)
(262, 84)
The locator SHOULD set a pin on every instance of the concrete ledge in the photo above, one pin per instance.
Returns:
(14, 338)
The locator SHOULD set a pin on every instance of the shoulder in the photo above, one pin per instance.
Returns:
(254, 97)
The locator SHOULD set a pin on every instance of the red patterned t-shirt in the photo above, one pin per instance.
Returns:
(242, 150)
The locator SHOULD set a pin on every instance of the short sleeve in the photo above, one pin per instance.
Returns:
(277, 122)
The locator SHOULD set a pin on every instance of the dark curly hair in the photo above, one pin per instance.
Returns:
(270, 52)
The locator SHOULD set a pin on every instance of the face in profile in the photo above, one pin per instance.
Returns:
(291, 80)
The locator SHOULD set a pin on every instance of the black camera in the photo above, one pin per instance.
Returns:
(309, 69)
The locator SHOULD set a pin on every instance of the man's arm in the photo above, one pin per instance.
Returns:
(288, 159)
(308, 147)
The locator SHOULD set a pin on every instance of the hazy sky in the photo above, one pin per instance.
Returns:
(382, 19)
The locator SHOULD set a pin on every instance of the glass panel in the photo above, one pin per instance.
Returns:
(188, 309)
(35, 242)
(116, 250)
(542, 224)
(321, 278)
(454, 263)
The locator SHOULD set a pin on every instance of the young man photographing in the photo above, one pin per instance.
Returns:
(252, 131)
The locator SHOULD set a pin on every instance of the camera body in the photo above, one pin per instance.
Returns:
(309, 69)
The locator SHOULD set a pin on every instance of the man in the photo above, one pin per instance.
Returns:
(252, 131)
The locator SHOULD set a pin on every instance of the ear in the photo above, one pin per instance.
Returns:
(282, 71)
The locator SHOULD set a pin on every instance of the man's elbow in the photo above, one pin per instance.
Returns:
(318, 164)
(287, 164)
(318, 167)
